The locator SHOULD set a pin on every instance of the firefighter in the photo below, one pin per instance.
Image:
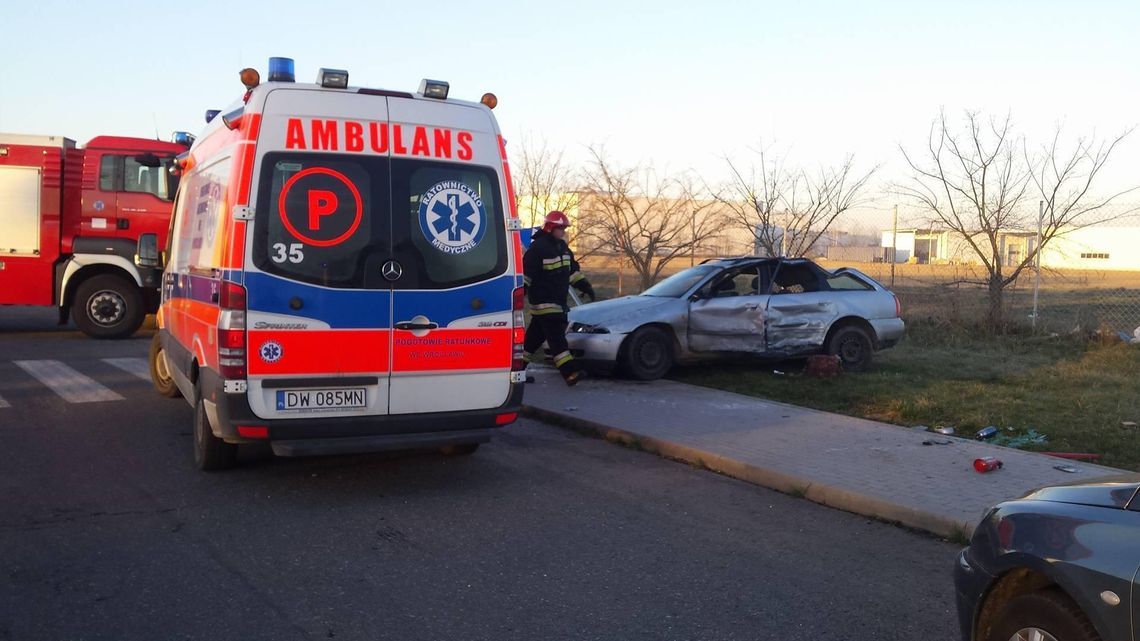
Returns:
(549, 269)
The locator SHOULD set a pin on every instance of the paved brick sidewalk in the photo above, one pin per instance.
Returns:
(853, 464)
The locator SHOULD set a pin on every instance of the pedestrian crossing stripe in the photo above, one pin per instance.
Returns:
(67, 383)
(137, 366)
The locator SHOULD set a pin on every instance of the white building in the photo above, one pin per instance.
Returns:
(1107, 248)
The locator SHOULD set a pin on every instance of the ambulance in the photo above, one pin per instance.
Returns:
(343, 272)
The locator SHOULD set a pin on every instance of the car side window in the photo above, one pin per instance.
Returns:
(847, 282)
(797, 279)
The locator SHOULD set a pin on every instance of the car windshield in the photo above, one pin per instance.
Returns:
(676, 285)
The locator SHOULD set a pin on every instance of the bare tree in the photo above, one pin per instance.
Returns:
(981, 183)
(788, 210)
(544, 181)
(647, 218)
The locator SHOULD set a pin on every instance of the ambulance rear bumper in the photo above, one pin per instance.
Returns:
(344, 435)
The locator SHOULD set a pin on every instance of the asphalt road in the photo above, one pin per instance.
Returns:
(107, 532)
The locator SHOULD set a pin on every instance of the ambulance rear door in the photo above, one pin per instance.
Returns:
(451, 274)
(320, 314)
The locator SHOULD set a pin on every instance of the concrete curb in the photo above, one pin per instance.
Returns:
(824, 494)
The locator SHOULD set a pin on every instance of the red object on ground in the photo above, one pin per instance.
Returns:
(1076, 456)
(987, 464)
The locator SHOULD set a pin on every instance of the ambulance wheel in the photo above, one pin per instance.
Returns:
(107, 306)
(210, 452)
(467, 449)
(160, 370)
(647, 354)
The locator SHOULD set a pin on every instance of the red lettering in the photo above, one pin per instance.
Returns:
(464, 140)
(295, 135)
(324, 135)
(353, 136)
(321, 203)
(443, 143)
(398, 141)
(420, 143)
(378, 136)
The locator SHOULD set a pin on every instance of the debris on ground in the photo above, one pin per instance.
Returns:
(1068, 469)
(823, 366)
(1131, 424)
(945, 431)
(986, 433)
(935, 442)
(921, 428)
(572, 408)
(1030, 437)
(1076, 456)
(987, 464)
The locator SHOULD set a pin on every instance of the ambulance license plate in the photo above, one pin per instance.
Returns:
(318, 400)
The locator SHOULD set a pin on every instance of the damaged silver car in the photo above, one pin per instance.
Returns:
(766, 307)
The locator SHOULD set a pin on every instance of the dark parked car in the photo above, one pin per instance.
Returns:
(1059, 564)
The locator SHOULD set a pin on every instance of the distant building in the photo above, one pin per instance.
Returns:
(1109, 248)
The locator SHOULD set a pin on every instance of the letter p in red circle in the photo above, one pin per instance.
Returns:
(321, 203)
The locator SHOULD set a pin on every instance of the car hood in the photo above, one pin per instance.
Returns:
(1113, 492)
(623, 314)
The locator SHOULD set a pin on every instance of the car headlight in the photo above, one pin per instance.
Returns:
(584, 328)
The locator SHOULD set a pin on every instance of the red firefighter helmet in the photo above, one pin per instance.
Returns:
(555, 219)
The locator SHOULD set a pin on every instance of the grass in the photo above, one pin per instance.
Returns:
(1076, 392)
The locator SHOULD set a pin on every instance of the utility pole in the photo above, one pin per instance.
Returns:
(784, 237)
(894, 245)
(1037, 260)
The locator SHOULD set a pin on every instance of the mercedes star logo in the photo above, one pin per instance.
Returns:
(392, 270)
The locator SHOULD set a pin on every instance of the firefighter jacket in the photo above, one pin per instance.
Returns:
(549, 269)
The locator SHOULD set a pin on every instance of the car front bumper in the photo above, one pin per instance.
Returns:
(595, 348)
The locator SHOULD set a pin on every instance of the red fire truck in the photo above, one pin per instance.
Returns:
(70, 218)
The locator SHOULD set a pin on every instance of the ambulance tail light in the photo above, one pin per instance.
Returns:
(332, 78)
(231, 331)
(281, 70)
(434, 89)
(518, 330)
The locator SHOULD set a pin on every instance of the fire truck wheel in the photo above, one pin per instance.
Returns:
(160, 370)
(107, 306)
(210, 452)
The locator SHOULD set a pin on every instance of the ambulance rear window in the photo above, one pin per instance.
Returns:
(447, 224)
(323, 219)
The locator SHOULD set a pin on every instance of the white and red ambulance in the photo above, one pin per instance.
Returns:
(343, 273)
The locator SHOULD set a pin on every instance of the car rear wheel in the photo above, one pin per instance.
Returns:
(160, 370)
(648, 354)
(210, 452)
(1048, 615)
(853, 346)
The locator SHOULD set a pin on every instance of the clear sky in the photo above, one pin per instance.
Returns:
(677, 83)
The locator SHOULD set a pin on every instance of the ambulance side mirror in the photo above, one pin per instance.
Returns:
(147, 255)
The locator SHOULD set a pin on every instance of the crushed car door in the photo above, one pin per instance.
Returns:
(729, 315)
(800, 309)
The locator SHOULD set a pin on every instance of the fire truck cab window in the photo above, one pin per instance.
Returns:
(147, 176)
(108, 169)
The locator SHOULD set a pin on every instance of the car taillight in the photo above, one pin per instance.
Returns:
(898, 307)
(518, 329)
(231, 331)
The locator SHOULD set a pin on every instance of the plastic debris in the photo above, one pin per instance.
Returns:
(987, 464)
(986, 433)
(778, 372)
(1131, 424)
(920, 428)
(945, 431)
(1030, 437)
(1068, 469)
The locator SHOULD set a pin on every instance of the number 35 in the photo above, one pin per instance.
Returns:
(295, 255)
